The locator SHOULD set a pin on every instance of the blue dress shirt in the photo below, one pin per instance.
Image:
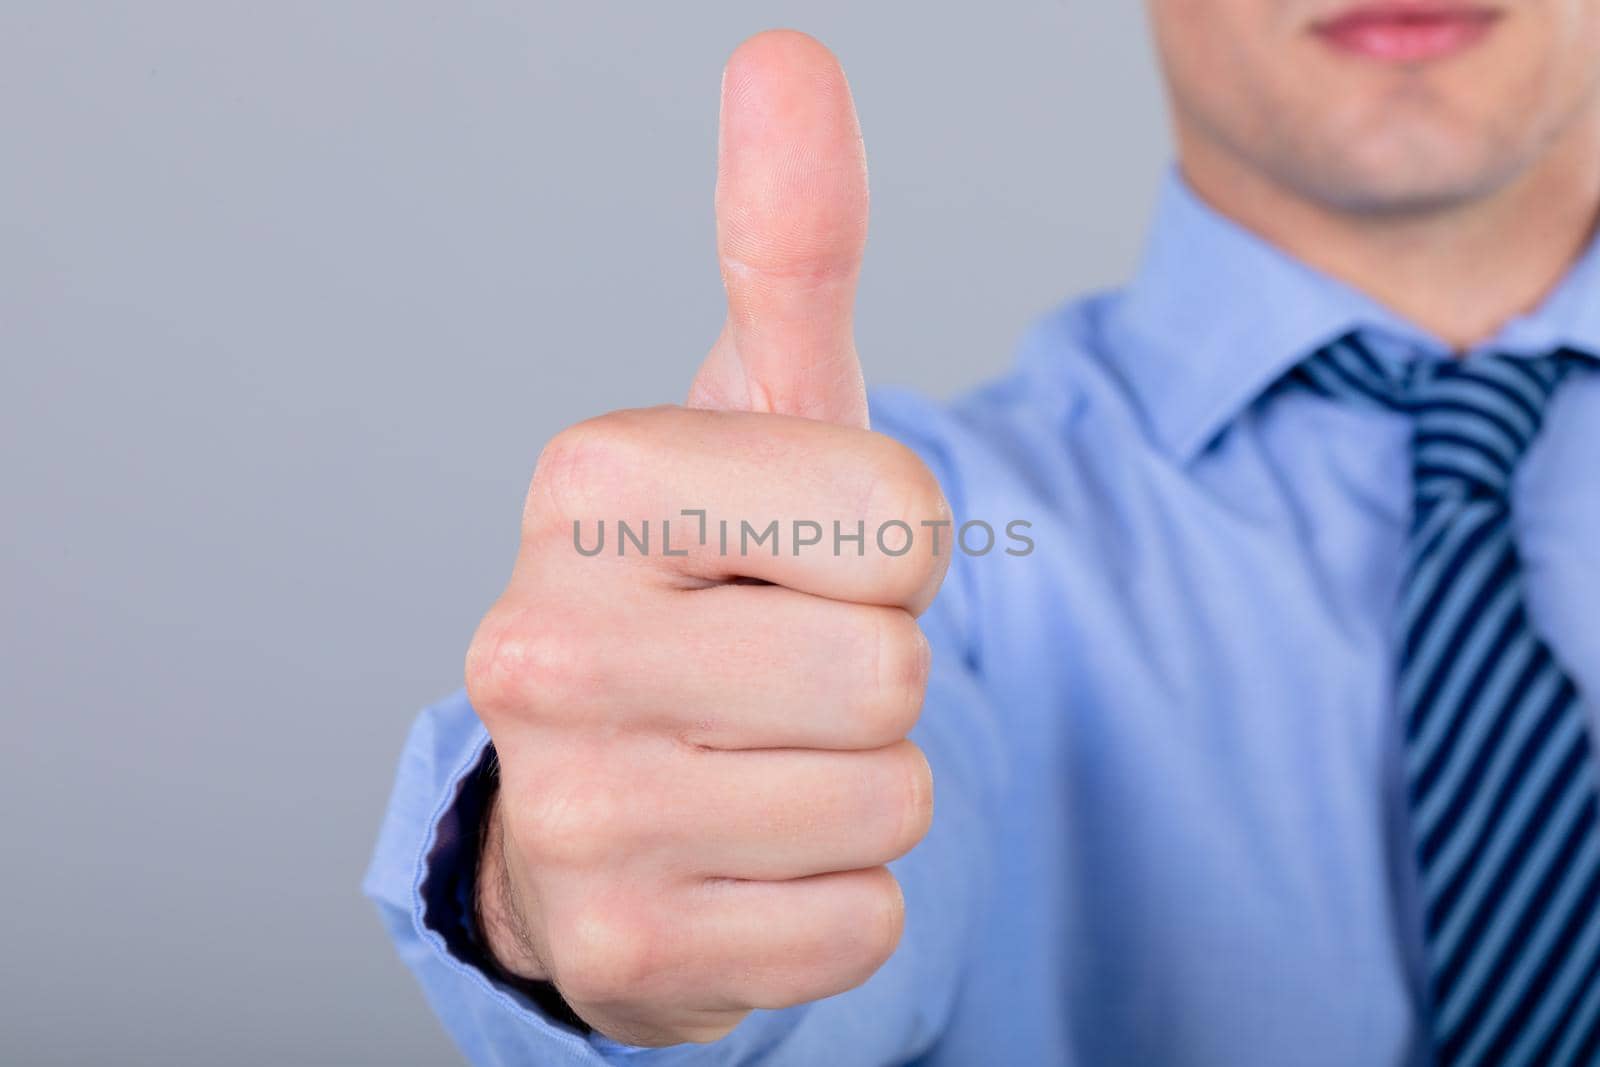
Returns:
(1169, 826)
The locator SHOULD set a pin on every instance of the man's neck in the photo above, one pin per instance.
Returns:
(1460, 272)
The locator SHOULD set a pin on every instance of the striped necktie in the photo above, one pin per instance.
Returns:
(1499, 768)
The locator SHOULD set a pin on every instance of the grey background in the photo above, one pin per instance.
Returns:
(290, 296)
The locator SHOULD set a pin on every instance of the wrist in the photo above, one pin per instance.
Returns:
(500, 920)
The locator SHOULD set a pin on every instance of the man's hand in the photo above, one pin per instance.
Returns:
(703, 758)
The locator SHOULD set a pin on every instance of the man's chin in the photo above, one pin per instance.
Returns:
(1406, 179)
(1404, 200)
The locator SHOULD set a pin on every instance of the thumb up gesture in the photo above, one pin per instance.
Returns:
(700, 677)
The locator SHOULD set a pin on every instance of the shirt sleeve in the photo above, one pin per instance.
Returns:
(421, 879)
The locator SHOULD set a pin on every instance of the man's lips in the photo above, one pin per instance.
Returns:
(1408, 32)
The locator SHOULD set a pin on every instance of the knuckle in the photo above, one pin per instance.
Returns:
(561, 473)
(899, 677)
(575, 825)
(589, 462)
(526, 663)
(490, 682)
(604, 953)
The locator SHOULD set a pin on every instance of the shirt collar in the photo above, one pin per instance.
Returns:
(1215, 315)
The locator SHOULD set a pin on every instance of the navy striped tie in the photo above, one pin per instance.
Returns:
(1500, 772)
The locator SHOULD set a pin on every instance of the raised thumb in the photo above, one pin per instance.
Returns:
(791, 229)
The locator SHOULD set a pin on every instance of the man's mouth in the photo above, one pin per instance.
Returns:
(1408, 31)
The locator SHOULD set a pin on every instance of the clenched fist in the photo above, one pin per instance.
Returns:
(703, 764)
